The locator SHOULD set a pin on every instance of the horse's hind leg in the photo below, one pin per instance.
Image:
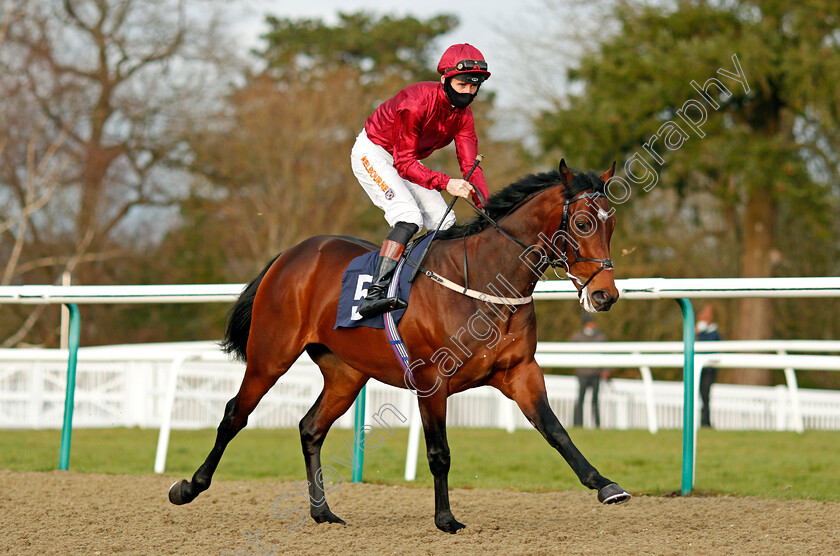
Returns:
(341, 386)
(526, 386)
(258, 379)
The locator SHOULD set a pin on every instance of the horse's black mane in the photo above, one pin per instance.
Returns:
(508, 199)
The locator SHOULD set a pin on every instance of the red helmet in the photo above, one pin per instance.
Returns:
(462, 58)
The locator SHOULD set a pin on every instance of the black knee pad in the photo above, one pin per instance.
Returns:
(402, 232)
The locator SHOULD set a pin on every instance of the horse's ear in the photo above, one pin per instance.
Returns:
(565, 174)
(605, 177)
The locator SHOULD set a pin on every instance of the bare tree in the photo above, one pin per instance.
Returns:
(282, 161)
(98, 95)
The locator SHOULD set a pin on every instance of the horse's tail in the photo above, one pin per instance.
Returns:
(239, 318)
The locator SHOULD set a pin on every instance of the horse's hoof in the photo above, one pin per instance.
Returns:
(449, 525)
(613, 494)
(176, 493)
(328, 517)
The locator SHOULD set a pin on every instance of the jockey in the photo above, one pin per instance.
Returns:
(404, 130)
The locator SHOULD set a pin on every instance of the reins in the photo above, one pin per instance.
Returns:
(606, 264)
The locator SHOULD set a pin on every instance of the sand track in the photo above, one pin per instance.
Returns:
(74, 513)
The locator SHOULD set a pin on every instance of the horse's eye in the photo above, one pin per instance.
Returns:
(583, 225)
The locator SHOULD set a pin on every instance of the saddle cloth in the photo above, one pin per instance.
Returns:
(357, 278)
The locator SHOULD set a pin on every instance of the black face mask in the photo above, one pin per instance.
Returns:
(456, 99)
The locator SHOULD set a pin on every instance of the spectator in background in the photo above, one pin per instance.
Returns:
(589, 377)
(706, 331)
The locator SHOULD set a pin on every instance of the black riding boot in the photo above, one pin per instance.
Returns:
(389, 255)
(376, 302)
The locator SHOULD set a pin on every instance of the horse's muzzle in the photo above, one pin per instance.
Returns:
(603, 300)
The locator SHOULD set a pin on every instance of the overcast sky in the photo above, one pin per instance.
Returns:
(493, 26)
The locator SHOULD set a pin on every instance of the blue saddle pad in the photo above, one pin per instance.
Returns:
(357, 278)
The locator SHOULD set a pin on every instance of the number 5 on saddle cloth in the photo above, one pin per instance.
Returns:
(357, 278)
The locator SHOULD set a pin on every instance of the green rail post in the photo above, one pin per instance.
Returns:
(688, 396)
(359, 437)
(69, 394)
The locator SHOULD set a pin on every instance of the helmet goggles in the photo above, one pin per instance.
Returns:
(469, 65)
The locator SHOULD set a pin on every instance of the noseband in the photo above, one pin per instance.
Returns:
(606, 264)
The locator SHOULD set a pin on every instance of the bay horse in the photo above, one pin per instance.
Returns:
(291, 308)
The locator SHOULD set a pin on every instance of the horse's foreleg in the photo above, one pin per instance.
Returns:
(341, 386)
(254, 386)
(433, 413)
(526, 386)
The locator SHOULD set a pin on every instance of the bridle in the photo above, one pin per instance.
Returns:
(563, 230)
(606, 264)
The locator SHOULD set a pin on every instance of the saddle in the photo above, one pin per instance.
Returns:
(357, 277)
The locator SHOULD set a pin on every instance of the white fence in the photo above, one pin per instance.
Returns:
(127, 386)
